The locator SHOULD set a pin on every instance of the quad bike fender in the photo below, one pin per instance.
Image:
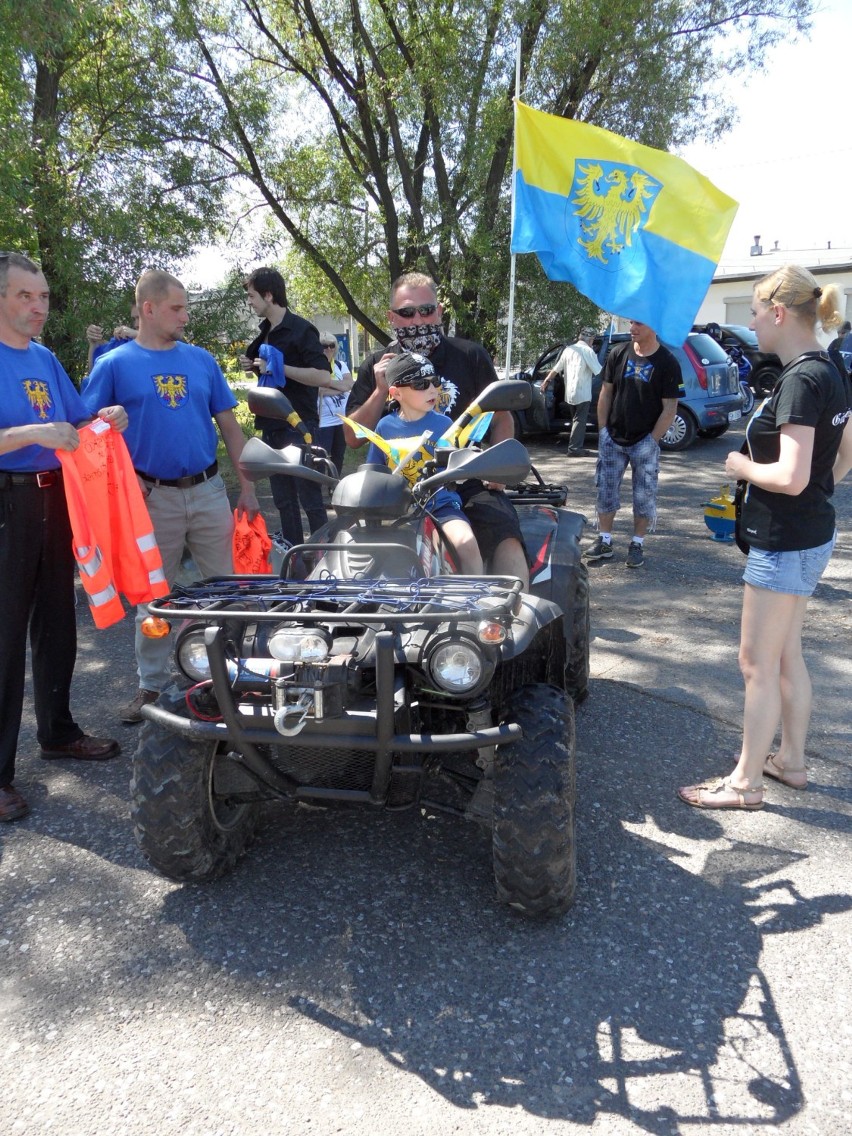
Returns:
(535, 616)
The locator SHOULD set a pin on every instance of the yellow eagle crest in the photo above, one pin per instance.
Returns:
(171, 389)
(38, 393)
(611, 203)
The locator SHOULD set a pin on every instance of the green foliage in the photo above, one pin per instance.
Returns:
(377, 138)
(102, 176)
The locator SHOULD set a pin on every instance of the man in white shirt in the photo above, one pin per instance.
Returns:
(578, 365)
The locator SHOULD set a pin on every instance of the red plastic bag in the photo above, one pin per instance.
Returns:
(251, 545)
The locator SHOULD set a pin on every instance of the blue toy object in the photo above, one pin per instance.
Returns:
(719, 515)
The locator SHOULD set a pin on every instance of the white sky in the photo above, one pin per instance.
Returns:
(788, 162)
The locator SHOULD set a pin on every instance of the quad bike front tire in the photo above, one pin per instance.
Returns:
(183, 827)
(533, 842)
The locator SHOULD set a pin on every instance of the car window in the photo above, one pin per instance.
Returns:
(741, 332)
(707, 349)
(546, 361)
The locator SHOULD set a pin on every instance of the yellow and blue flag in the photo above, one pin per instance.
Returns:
(636, 230)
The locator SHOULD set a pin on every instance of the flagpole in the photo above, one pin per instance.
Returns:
(510, 321)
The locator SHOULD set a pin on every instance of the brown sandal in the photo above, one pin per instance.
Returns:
(792, 778)
(714, 791)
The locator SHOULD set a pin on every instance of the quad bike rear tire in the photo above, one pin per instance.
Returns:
(533, 840)
(183, 828)
(577, 672)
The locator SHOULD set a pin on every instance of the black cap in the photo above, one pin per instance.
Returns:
(407, 366)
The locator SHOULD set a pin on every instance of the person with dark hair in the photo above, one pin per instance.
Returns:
(465, 369)
(39, 414)
(799, 445)
(296, 363)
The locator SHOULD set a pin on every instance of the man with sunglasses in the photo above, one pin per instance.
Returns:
(465, 369)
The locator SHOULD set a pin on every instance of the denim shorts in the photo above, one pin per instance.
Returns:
(793, 573)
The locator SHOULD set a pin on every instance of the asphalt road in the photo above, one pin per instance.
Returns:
(356, 976)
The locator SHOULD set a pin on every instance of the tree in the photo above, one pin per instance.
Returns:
(379, 135)
(98, 182)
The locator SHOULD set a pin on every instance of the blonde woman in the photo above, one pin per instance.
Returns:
(799, 445)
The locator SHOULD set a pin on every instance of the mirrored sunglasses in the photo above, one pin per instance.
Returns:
(415, 309)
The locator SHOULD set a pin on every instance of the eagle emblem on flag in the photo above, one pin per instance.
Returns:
(611, 202)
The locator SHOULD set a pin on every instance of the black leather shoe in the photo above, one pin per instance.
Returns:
(12, 804)
(85, 748)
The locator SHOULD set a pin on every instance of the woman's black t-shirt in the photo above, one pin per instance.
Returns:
(808, 393)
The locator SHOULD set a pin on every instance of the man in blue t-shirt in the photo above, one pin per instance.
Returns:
(39, 414)
(173, 392)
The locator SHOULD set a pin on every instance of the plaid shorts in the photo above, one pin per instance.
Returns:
(643, 457)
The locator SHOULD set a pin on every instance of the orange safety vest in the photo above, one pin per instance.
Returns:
(113, 538)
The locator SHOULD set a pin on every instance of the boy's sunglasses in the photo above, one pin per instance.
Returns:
(415, 309)
(420, 384)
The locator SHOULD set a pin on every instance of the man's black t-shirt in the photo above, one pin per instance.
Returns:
(640, 384)
(809, 393)
(299, 343)
(464, 366)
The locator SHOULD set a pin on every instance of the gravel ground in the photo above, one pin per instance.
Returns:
(354, 975)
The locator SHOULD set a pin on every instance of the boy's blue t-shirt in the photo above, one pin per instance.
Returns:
(36, 389)
(171, 398)
(393, 427)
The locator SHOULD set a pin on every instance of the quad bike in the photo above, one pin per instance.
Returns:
(379, 676)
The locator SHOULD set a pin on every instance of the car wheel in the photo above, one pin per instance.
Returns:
(764, 380)
(682, 432)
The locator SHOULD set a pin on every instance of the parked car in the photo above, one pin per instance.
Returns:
(765, 366)
(710, 398)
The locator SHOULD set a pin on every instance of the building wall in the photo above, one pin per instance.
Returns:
(728, 298)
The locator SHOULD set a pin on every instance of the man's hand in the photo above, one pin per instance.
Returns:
(60, 436)
(248, 503)
(116, 416)
(379, 369)
(247, 364)
(124, 332)
(95, 334)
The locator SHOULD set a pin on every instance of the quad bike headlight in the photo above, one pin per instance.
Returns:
(296, 645)
(456, 667)
(191, 655)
